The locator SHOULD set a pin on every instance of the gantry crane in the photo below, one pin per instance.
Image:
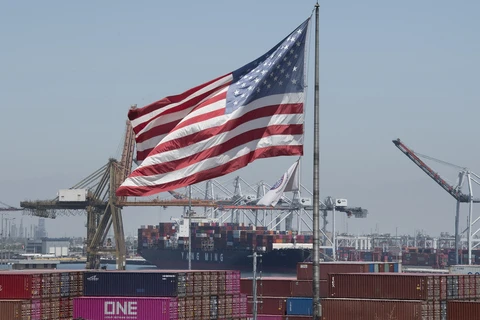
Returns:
(8, 208)
(101, 205)
(454, 191)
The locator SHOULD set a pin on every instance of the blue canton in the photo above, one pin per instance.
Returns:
(280, 70)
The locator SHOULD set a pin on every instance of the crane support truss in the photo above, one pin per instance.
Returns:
(465, 175)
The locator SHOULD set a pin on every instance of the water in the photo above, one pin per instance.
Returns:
(81, 266)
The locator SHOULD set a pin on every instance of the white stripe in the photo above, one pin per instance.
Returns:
(217, 121)
(181, 115)
(237, 152)
(218, 139)
(147, 117)
(154, 141)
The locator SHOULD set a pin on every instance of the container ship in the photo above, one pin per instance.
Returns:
(229, 246)
(222, 246)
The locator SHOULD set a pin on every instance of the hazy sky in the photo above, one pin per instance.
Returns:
(69, 70)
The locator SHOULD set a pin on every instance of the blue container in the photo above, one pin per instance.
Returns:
(299, 306)
(137, 284)
(396, 267)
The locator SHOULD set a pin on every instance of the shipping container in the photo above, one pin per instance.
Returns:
(265, 317)
(465, 269)
(268, 305)
(300, 306)
(351, 309)
(304, 288)
(139, 284)
(271, 287)
(388, 286)
(15, 309)
(72, 195)
(463, 310)
(305, 269)
(120, 308)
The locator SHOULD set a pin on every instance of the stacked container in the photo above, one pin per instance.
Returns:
(39, 295)
(292, 297)
(159, 295)
(421, 296)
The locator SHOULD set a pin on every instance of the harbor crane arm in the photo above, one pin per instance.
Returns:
(453, 191)
(8, 207)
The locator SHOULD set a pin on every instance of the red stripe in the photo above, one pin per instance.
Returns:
(267, 111)
(224, 169)
(166, 128)
(217, 150)
(136, 113)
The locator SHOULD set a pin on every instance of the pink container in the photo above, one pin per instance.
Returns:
(36, 310)
(120, 308)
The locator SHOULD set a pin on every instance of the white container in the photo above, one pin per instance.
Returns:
(465, 269)
(72, 195)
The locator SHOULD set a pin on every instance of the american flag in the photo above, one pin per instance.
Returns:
(223, 125)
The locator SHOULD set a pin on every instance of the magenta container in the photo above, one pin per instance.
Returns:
(36, 311)
(120, 308)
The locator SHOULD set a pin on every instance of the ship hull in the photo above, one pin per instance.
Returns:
(275, 261)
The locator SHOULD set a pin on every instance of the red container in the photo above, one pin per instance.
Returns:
(117, 308)
(21, 285)
(388, 286)
(269, 305)
(305, 269)
(304, 288)
(271, 287)
(348, 309)
(15, 309)
(463, 310)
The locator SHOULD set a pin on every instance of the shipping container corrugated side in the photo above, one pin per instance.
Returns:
(304, 288)
(268, 305)
(388, 286)
(300, 306)
(272, 287)
(137, 284)
(351, 309)
(463, 310)
(119, 308)
(15, 309)
(305, 269)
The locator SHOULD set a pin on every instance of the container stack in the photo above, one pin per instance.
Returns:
(292, 297)
(39, 295)
(161, 295)
(398, 296)
(217, 236)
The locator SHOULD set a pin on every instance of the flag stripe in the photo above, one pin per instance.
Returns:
(181, 158)
(260, 118)
(149, 112)
(214, 172)
(213, 126)
(204, 164)
(189, 118)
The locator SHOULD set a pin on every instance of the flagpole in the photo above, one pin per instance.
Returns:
(316, 177)
(189, 227)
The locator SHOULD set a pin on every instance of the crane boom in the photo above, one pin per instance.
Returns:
(454, 192)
